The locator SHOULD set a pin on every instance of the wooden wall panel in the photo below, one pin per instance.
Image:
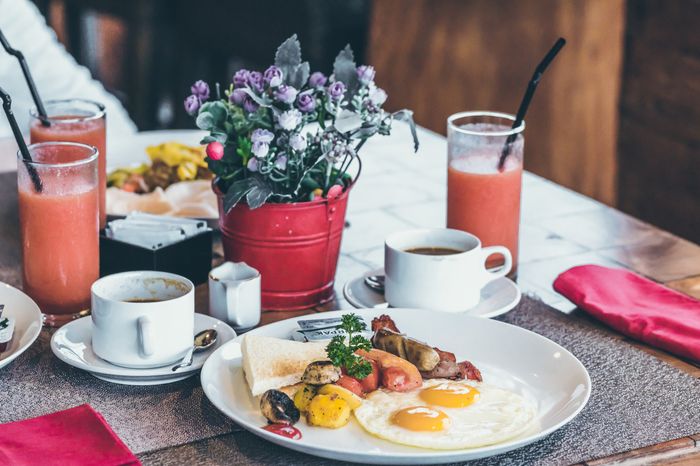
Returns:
(659, 175)
(443, 56)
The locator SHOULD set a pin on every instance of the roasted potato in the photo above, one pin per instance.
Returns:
(329, 411)
(303, 396)
(352, 399)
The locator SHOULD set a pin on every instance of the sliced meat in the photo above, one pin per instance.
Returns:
(447, 367)
(384, 321)
(444, 370)
(470, 371)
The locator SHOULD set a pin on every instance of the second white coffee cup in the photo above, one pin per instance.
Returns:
(142, 319)
(438, 269)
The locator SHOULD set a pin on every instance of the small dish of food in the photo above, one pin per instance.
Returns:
(172, 179)
(384, 389)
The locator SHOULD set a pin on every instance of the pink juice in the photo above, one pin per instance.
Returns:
(481, 198)
(486, 202)
(59, 228)
(79, 126)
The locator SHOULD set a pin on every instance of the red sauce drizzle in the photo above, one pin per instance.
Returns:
(285, 430)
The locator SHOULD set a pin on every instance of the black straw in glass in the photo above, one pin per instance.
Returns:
(7, 106)
(527, 98)
(43, 117)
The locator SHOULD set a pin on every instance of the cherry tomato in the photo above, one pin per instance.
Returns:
(285, 430)
(350, 383)
(395, 379)
(371, 382)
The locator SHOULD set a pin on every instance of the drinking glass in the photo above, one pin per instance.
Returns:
(483, 198)
(75, 120)
(59, 226)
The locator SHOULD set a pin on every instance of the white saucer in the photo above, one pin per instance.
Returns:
(497, 298)
(72, 345)
(28, 322)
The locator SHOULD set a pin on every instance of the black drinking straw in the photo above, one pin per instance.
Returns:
(43, 117)
(7, 106)
(527, 98)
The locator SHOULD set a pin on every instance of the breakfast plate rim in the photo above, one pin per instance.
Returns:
(353, 301)
(34, 327)
(421, 456)
(164, 373)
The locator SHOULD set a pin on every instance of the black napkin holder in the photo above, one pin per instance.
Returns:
(190, 257)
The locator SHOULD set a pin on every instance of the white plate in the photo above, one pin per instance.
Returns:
(520, 360)
(28, 321)
(497, 298)
(72, 344)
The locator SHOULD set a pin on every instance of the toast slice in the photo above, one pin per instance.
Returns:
(275, 363)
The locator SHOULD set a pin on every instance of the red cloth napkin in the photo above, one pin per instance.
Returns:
(76, 436)
(635, 306)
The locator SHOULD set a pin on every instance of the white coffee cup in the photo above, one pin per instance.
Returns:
(450, 282)
(234, 294)
(142, 319)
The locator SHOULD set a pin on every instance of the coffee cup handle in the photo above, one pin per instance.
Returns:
(503, 271)
(145, 333)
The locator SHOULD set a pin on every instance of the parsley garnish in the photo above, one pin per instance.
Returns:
(341, 349)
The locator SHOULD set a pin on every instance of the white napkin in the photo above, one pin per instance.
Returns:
(153, 231)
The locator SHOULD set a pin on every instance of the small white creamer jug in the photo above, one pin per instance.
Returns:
(234, 294)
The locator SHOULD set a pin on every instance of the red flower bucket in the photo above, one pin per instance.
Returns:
(294, 246)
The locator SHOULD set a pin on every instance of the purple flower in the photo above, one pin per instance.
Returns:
(237, 97)
(240, 78)
(262, 135)
(255, 81)
(365, 74)
(273, 76)
(306, 103)
(286, 94)
(289, 120)
(281, 162)
(336, 90)
(317, 79)
(252, 164)
(200, 89)
(249, 105)
(192, 104)
(297, 142)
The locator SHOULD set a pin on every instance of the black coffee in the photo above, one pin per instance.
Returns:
(434, 251)
(143, 300)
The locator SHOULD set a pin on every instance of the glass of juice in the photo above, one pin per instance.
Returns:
(483, 197)
(75, 120)
(59, 227)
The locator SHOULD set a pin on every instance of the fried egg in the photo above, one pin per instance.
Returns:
(446, 415)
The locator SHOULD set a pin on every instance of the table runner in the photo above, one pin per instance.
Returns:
(637, 400)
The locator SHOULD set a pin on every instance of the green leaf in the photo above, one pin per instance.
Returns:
(288, 58)
(299, 75)
(204, 121)
(262, 101)
(344, 69)
(258, 194)
(407, 116)
(236, 192)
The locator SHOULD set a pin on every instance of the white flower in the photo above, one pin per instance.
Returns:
(377, 96)
(297, 142)
(260, 149)
(289, 120)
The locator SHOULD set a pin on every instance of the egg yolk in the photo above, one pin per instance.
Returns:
(449, 395)
(421, 418)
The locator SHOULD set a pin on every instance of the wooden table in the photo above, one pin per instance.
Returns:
(559, 229)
